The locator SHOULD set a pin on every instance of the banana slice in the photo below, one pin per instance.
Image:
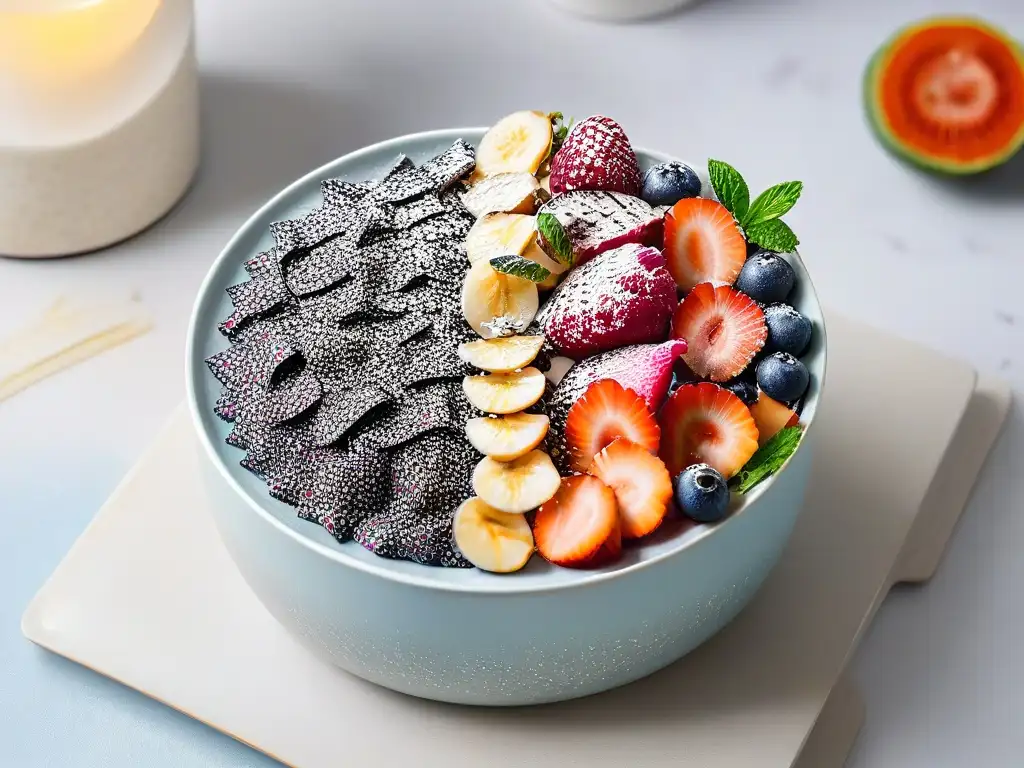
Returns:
(518, 143)
(492, 540)
(516, 486)
(557, 269)
(500, 234)
(504, 193)
(501, 355)
(503, 393)
(506, 438)
(495, 304)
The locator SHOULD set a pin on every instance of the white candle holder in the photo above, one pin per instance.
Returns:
(95, 154)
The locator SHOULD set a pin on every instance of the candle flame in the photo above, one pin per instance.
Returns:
(64, 39)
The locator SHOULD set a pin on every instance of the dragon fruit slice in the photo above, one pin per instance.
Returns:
(600, 221)
(620, 297)
(644, 368)
(367, 438)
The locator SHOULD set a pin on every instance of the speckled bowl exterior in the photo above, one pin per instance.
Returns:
(541, 635)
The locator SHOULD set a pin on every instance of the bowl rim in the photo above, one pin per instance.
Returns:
(499, 587)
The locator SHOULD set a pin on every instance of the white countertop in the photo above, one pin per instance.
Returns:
(773, 88)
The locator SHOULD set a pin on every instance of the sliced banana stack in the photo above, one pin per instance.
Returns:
(518, 143)
(516, 486)
(515, 476)
(492, 540)
(503, 193)
(495, 304)
(504, 393)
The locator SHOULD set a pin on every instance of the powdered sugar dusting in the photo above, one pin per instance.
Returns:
(596, 155)
(601, 221)
(621, 297)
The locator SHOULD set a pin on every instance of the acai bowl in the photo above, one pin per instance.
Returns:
(548, 539)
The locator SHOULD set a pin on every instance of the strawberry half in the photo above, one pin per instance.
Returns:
(724, 329)
(706, 424)
(610, 551)
(605, 412)
(596, 155)
(771, 417)
(579, 526)
(642, 486)
(703, 243)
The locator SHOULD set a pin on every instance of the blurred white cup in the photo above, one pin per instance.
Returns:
(621, 10)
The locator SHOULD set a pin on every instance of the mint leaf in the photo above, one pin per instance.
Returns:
(520, 267)
(729, 186)
(559, 130)
(551, 230)
(768, 460)
(773, 235)
(773, 203)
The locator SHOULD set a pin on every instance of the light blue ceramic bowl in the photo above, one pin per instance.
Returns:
(544, 634)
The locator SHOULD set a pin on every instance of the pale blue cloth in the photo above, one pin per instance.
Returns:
(52, 711)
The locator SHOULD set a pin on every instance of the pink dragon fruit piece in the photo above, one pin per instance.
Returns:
(623, 296)
(644, 368)
(600, 221)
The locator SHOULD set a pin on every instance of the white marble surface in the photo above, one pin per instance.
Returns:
(773, 88)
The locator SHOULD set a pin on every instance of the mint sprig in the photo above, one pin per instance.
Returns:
(551, 230)
(559, 130)
(773, 203)
(768, 460)
(730, 188)
(760, 220)
(774, 235)
(517, 266)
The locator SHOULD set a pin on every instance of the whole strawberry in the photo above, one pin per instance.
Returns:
(596, 155)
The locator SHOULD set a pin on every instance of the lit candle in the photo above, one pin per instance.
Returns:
(90, 90)
(63, 39)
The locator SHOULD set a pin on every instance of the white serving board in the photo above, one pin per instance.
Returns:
(148, 596)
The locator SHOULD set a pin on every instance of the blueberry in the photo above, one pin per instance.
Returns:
(744, 388)
(701, 493)
(788, 330)
(668, 183)
(783, 377)
(766, 277)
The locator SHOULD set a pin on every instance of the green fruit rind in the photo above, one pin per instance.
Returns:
(880, 125)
